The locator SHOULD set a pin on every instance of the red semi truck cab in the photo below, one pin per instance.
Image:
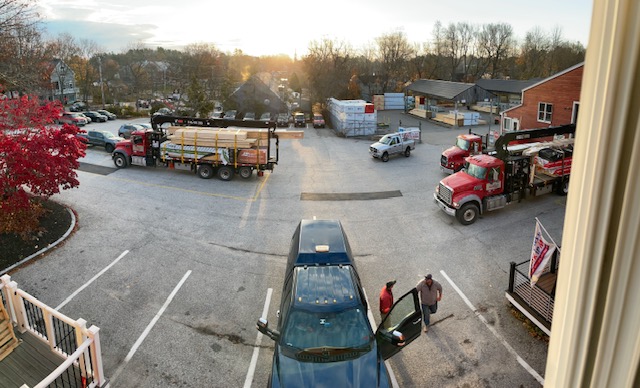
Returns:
(453, 158)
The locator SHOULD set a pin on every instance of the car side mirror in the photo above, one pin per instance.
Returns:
(263, 327)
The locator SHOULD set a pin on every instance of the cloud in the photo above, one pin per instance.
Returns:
(110, 37)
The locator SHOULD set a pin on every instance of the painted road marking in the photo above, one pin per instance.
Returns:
(511, 350)
(372, 321)
(146, 331)
(61, 305)
(254, 358)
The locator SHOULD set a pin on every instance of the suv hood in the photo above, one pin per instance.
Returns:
(368, 370)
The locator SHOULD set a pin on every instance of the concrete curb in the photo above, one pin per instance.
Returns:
(50, 246)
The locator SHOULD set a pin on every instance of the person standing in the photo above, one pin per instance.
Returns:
(386, 299)
(430, 294)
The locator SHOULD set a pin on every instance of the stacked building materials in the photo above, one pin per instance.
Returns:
(394, 101)
(352, 117)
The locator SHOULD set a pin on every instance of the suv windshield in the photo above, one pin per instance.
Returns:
(307, 330)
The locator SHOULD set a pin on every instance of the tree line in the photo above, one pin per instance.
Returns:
(462, 52)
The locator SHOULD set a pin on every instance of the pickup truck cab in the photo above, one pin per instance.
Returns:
(323, 336)
(299, 120)
(104, 139)
(399, 143)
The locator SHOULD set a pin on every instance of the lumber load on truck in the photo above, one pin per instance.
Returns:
(238, 132)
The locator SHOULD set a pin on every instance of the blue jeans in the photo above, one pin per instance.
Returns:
(427, 311)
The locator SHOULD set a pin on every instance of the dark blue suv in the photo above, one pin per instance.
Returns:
(324, 337)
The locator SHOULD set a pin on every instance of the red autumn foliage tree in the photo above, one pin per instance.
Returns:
(37, 159)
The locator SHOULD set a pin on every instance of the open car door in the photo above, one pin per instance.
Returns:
(401, 326)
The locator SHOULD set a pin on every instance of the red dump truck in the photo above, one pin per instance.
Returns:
(186, 145)
(490, 182)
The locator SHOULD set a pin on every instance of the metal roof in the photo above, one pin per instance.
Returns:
(443, 89)
(505, 85)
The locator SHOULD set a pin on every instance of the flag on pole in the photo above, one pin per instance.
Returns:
(541, 253)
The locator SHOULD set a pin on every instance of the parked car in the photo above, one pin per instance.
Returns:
(283, 120)
(249, 116)
(78, 106)
(163, 111)
(104, 139)
(126, 129)
(323, 335)
(298, 120)
(95, 116)
(266, 116)
(318, 120)
(110, 116)
(216, 115)
(230, 114)
(73, 118)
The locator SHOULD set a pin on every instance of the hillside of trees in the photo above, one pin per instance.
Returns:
(461, 52)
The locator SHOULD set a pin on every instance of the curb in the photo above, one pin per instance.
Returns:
(50, 246)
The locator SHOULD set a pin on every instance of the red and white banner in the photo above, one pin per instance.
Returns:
(541, 253)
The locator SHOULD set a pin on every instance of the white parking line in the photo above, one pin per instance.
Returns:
(511, 350)
(61, 305)
(254, 358)
(146, 331)
(374, 325)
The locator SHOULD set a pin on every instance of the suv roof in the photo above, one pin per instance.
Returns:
(320, 242)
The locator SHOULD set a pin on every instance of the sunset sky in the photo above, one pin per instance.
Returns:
(259, 27)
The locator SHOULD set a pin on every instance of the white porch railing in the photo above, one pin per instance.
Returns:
(70, 339)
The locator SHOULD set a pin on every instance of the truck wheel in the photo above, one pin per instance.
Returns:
(468, 213)
(109, 148)
(205, 171)
(385, 157)
(245, 172)
(225, 173)
(407, 152)
(120, 161)
(563, 187)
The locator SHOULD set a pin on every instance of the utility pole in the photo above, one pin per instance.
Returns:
(101, 83)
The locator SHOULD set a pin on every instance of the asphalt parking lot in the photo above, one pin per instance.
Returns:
(186, 266)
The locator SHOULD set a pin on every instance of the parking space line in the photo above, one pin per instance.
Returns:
(374, 325)
(146, 331)
(105, 269)
(510, 349)
(254, 358)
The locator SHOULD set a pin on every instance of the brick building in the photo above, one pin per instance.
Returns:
(551, 102)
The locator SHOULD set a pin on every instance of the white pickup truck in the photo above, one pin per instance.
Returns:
(394, 143)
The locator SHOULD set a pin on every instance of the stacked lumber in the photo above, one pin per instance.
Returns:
(212, 138)
(236, 132)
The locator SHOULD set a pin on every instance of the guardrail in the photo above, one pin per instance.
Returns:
(68, 338)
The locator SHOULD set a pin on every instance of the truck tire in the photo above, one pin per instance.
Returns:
(245, 172)
(120, 161)
(225, 173)
(468, 213)
(385, 157)
(205, 171)
(109, 148)
(407, 152)
(563, 187)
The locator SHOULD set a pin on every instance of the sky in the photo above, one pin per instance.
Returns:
(259, 27)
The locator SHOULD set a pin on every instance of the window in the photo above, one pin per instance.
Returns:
(545, 110)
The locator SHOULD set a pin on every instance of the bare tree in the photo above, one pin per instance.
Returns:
(329, 64)
(495, 43)
(534, 54)
(394, 52)
(17, 14)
